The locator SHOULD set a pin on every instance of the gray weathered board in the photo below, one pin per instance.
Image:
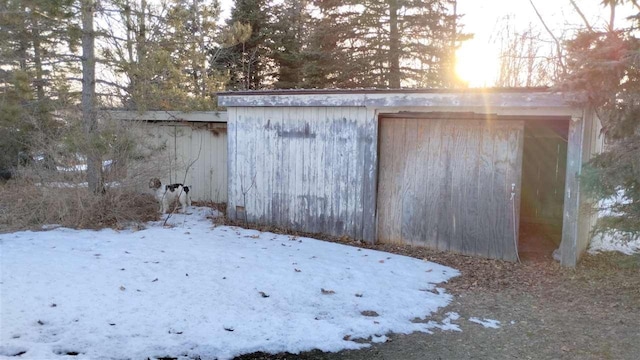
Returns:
(304, 169)
(446, 184)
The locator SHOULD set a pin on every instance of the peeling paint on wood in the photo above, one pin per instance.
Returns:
(309, 161)
(300, 168)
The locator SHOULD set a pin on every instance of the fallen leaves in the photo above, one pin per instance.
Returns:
(369, 313)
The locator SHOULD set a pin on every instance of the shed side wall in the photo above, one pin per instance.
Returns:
(593, 145)
(584, 142)
(301, 168)
(194, 154)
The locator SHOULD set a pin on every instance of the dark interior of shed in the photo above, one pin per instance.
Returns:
(544, 165)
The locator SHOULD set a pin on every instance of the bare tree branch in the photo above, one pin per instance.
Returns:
(584, 18)
(557, 42)
(110, 83)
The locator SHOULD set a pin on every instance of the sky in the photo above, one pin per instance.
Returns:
(478, 58)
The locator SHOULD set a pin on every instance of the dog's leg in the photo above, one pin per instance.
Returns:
(165, 205)
(184, 201)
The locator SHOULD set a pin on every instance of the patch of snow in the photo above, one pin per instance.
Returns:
(487, 323)
(379, 338)
(50, 226)
(605, 205)
(83, 167)
(614, 240)
(213, 213)
(446, 324)
(621, 241)
(70, 185)
(193, 289)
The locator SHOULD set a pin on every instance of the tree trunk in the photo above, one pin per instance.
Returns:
(89, 118)
(37, 59)
(394, 46)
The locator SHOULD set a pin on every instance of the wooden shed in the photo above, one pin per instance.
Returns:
(194, 148)
(489, 172)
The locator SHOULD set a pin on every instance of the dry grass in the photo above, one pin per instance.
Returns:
(28, 205)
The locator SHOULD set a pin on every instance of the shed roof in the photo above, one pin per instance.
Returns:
(485, 97)
(169, 116)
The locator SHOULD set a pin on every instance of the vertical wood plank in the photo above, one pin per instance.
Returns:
(233, 118)
(410, 202)
(431, 187)
(568, 246)
(369, 193)
(384, 181)
(469, 209)
(487, 236)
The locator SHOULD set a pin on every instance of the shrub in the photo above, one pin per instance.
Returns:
(28, 205)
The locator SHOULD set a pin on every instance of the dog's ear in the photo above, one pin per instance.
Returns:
(155, 183)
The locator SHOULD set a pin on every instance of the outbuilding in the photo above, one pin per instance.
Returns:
(486, 172)
(188, 147)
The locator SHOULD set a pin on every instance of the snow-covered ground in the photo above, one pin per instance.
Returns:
(193, 289)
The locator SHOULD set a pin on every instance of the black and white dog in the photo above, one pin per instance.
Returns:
(169, 194)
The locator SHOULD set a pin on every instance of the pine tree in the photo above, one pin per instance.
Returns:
(384, 43)
(166, 54)
(36, 42)
(605, 65)
(288, 32)
(245, 63)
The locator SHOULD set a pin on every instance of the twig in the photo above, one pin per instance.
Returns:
(584, 18)
(557, 42)
(185, 172)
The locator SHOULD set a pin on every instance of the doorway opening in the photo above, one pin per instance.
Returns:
(544, 165)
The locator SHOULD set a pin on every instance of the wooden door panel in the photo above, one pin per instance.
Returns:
(446, 184)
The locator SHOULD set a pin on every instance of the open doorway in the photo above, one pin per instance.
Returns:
(544, 165)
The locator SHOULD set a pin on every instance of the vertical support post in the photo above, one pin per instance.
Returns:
(571, 213)
(370, 181)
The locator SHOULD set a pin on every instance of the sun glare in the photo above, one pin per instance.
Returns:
(477, 64)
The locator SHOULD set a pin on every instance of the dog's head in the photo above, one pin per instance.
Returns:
(155, 184)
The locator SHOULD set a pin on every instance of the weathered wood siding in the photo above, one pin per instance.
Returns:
(308, 160)
(194, 154)
(584, 142)
(447, 184)
(303, 168)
